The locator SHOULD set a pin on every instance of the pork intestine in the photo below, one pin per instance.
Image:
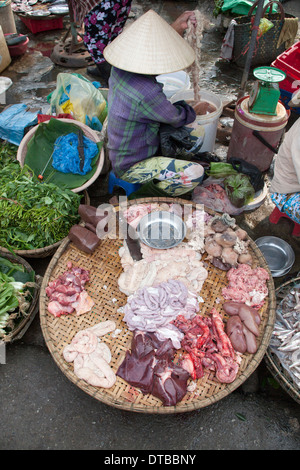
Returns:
(193, 36)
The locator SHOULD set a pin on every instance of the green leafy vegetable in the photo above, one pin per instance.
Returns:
(239, 189)
(15, 295)
(221, 170)
(33, 214)
(8, 154)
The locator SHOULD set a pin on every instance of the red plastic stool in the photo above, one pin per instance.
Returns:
(276, 215)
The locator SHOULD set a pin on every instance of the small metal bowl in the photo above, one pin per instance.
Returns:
(278, 254)
(161, 230)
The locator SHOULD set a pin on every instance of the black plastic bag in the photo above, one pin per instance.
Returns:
(175, 142)
(255, 175)
(178, 143)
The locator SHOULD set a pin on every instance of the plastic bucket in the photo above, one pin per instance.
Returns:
(174, 82)
(7, 20)
(205, 126)
(245, 145)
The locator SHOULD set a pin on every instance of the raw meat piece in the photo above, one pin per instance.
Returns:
(149, 367)
(180, 251)
(84, 239)
(223, 342)
(57, 309)
(138, 371)
(90, 356)
(139, 274)
(67, 293)
(91, 215)
(234, 329)
(152, 309)
(64, 299)
(170, 382)
(94, 370)
(226, 368)
(247, 285)
(213, 196)
(160, 267)
(84, 303)
(207, 346)
(134, 213)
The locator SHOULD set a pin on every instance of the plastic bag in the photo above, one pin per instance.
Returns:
(65, 156)
(264, 26)
(239, 189)
(255, 175)
(242, 7)
(14, 120)
(175, 142)
(211, 194)
(180, 143)
(76, 95)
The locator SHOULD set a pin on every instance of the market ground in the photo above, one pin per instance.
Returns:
(41, 409)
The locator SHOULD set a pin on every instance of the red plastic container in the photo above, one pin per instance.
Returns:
(18, 49)
(37, 26)
(289, 62)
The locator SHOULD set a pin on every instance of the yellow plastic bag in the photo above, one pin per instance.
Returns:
(76, 95)
(264, 26)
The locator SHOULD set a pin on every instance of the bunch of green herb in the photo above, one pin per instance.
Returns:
(239, 189)
(220, 170)
(8, 154)
(16, 291)
(33, 214)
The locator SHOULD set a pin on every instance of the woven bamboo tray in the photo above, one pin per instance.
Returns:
(105, 269)
(46, 250)
(272, 361)
(24, 324)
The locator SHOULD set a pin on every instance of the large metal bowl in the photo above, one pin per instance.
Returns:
(278, 253)
(161, 230)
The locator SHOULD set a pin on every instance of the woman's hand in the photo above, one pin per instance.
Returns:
(180, 25)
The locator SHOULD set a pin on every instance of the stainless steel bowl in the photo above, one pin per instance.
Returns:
(161, 230)
(278, 254)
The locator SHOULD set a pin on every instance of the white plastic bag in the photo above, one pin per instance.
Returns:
(76, 95)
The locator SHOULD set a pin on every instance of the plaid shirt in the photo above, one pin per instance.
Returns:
(82, 7)
(136, 108)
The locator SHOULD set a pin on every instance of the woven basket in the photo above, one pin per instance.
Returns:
(105, 268)
(272, 361)
(24, 324)
(88, 132)
(266, 48)
(46, 250)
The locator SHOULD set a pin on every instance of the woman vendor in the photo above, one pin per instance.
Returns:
(285, 185)
(137, 105)
(102, 21)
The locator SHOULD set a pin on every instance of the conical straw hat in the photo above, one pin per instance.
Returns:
(149, 46)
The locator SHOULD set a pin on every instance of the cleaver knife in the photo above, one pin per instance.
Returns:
(134, 246)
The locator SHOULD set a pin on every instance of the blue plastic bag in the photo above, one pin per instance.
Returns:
(14, 120)
(65, 157)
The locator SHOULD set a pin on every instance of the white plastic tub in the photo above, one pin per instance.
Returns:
(205, 126)
(174, 82)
